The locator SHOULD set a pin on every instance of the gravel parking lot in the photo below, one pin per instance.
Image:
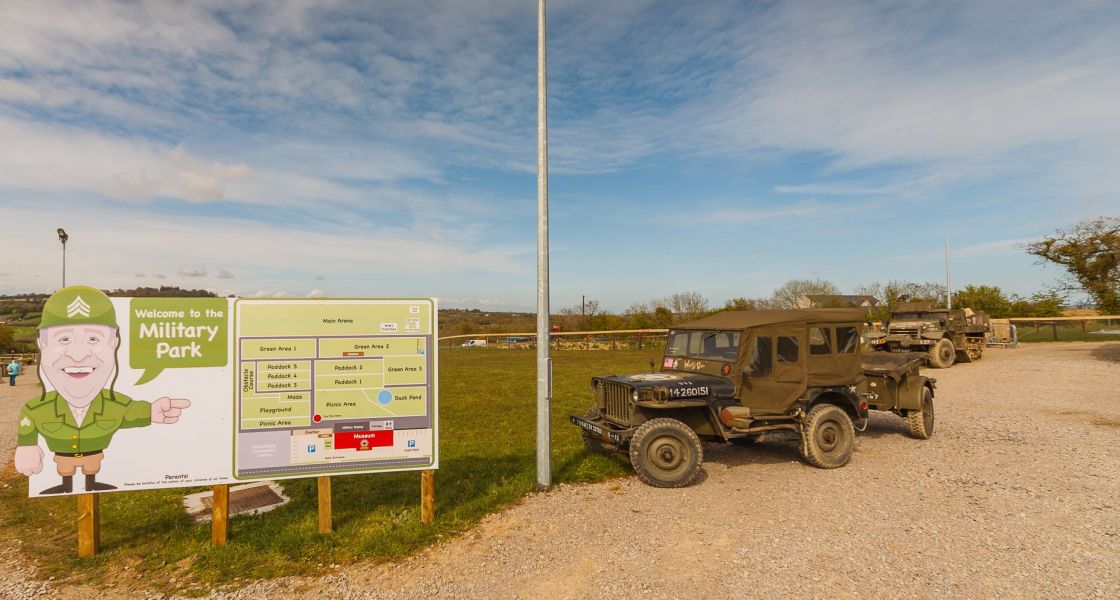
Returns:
(1016, 495)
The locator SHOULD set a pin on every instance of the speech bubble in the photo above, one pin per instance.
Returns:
(177, 333)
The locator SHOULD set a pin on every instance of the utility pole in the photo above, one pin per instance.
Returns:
(948, 280)
(544, 362)
(62, 237)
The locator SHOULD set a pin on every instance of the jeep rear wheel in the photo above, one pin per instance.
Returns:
(943, 354)
(829, 437)
(666, 453)
(591, 442)
(920, 422)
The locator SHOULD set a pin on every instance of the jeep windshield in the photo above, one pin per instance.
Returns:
(714, 345)
(913, 316)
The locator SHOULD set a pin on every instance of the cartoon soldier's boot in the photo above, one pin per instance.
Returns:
(93, 486)
(65, 487)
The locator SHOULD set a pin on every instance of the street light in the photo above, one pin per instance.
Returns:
(62, 237)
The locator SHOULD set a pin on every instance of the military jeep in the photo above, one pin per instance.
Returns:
(736, 376)
(945, 335)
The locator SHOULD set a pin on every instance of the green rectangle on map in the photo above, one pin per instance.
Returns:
(277, 348)
(335, 318)
(406, 369)
(368, 381)
(360, 366)
(369, 346)
(277, 407)
(273, 422)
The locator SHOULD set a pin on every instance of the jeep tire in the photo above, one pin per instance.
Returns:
(666, 453)
(920, 422)
(830, 437)
(591, 442)
(942, 355)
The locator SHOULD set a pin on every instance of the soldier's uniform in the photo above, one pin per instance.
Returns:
(79, 445)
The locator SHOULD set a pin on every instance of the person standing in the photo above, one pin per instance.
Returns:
(13, 370)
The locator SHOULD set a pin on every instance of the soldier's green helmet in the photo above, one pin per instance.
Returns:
(78, 305)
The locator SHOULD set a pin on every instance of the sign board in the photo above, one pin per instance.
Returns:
(142, 393)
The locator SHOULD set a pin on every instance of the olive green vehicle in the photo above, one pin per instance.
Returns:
(945, 335)
(736, 376)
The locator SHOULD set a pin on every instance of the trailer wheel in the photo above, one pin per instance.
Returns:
(943, 354)
(591, 442)
(829, 437)
(666, 453)
(920, 422)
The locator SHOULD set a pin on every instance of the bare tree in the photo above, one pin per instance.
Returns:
(792, 292)
(688, 305)
(1090, 252)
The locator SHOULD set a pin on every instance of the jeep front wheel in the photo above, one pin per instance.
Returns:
(920, 422)
(829, 437)
(666, 453)
(943, 354)
(591, 442)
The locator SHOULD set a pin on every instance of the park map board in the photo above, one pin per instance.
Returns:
(333, 386)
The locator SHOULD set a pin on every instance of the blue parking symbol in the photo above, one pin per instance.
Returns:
(311, 448)
(411, 443)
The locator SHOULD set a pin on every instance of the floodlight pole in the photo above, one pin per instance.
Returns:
(948, 281)
(62, 237)
(544, 363)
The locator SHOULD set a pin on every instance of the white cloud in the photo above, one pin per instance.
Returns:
(223, 274)
(316, 293)
(192, 271)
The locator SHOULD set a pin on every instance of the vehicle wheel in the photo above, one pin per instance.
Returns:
(591, 442)
(943, 354)
(829, 437)
(666, 453)
(920, 422)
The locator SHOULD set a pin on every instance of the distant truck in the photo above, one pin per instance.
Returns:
(473, 344)
(944, 335)
(736, 376)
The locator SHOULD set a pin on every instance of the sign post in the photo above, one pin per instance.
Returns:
(89, 525)
(219, 515)
(326, 519)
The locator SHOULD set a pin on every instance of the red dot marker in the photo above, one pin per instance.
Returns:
(317, 418)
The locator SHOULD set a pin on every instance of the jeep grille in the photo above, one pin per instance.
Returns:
(616, 398)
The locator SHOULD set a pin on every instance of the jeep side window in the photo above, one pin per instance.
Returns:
(760, 357)
(820, 340)
(788, 349)
(847, 338)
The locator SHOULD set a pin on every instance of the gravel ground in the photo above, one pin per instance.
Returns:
(1016, 495)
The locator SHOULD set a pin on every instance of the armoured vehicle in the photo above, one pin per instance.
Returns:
(945, 335)
(736, 376)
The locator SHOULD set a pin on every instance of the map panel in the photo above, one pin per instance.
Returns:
(334, 386)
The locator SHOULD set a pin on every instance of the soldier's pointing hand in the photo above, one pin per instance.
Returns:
(167, 410)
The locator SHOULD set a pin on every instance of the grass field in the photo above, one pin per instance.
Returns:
(487, 461)
(1069, 331)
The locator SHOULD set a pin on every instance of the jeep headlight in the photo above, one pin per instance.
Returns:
(634, 396)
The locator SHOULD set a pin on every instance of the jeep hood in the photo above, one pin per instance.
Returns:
(673, 380)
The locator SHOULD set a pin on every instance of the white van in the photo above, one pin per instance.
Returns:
(473, 343)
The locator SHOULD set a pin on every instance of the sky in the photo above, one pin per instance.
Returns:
(388, 149)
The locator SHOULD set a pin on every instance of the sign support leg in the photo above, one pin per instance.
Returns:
(219, 516)
(89, 525)
(326, 521)
(428, 496)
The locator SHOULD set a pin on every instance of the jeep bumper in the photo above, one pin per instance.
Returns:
(600, 430)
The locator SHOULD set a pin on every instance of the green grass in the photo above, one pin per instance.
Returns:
(1069, 331)
(487, 461)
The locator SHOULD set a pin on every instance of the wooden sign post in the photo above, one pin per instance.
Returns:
(89, 525)
(428, 496)
(326, 520)
(219, 516)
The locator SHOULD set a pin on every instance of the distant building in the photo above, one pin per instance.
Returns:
(837, 301)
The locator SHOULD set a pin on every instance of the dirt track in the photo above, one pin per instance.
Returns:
(1016, 495)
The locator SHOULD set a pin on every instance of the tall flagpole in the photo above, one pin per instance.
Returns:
(948, 280)
(544, 363)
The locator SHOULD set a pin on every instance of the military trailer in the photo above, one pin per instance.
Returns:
(945, 335)
(736, 376)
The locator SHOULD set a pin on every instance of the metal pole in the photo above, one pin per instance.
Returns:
(948, 281)
(63, 264)
(544, 363)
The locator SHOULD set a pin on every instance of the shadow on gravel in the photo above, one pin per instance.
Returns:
(1108, 352)
(768, 452)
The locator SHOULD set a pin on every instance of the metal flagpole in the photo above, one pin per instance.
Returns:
(948, 281)
(544, 363)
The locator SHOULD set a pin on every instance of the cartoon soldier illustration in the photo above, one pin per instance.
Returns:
(78, 341)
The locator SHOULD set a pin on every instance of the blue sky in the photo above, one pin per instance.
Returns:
(388, 148)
